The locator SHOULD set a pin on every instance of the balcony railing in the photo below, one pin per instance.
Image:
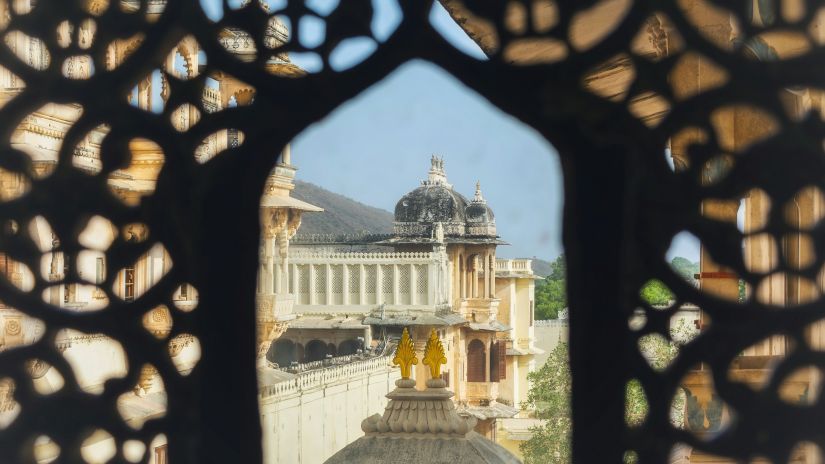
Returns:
(514, 266)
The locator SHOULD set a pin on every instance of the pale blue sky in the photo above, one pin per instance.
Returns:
(377, 146)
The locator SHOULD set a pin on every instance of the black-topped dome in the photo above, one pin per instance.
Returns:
(430, 204)
(479, 216)
(435, 202)
(478, 211)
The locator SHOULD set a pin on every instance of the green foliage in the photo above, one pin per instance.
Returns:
(551, 294)
(656, 293)
(550, 389)
(743, 293)
(685, 268)
(549, 397)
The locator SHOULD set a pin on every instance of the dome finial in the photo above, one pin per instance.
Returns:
(478, 198)
(437, 176)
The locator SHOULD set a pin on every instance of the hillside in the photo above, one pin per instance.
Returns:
(541, 267)
(341, 215)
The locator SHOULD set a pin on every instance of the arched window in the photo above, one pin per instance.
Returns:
(476, 362)
(348, 347)
(316, 350)
(283, 352)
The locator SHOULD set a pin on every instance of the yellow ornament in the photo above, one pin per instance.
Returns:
(434, 355)
(405, 355)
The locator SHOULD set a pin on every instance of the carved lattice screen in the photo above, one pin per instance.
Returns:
(732, 88)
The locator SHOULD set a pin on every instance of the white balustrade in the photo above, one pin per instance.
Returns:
(332, 375)
(520, 266)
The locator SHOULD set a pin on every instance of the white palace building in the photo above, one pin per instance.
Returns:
(353, 295)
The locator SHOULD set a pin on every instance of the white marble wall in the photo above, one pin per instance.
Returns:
(308, 419)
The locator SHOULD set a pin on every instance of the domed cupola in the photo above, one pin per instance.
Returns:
(434, 201)
(479, 216)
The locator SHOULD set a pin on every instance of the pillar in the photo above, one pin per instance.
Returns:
(396, 297)
(362, 289)
(328, 297)
(345, 284)
(312, 289)
(489, 348)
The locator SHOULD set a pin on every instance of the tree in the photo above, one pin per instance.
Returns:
(551, 387)
(549, 397)
(551, 292)
(656, 293)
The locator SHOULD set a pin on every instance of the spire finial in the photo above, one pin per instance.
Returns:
(437, 176)
(434, 355)
(478, 198)
(405, 355)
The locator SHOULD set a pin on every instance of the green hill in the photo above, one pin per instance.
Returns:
(341, 215)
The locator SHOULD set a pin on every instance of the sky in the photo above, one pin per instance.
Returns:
(377, 147)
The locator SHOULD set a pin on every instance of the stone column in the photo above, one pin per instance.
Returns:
(396, 294)
(328, 297)
(413, 281)
(362, 289)
(488, 349)
(345, 284)
(296, 278)
(312, 289)
(379, 281)
(486, 272)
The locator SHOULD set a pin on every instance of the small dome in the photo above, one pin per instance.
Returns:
(479, 216)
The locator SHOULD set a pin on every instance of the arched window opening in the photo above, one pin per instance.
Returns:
(348, 347)
(316, 350)
(283, 353)
(476, 362)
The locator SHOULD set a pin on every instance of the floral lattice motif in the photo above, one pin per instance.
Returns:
(732, 90)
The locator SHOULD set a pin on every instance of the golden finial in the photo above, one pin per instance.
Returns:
(434, 355)
(405, 355)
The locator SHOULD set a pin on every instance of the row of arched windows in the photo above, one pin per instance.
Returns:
(284, 351)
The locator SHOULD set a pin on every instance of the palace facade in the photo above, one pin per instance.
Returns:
(438, 270)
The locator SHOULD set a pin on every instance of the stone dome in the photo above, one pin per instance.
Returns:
(421, 426)
(479, 216)
(431, 204)
(435, 201)
(479, 213)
